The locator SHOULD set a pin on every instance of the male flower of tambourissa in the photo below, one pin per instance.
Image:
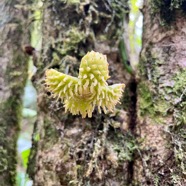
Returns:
(81, 95)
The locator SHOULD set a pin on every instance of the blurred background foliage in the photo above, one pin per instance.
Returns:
(135, 31)
(29, 112)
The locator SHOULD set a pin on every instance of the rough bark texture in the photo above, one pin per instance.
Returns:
(69, 150)
(13, 75)
(161, 96)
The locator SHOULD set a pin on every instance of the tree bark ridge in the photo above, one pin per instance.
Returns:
(161, 109)
(13, 75)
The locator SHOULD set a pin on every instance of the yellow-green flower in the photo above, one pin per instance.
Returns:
(81, 95)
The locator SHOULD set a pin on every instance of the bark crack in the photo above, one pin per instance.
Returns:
(132, 122)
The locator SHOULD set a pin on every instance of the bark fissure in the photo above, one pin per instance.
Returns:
(133, 101)
(132, 122)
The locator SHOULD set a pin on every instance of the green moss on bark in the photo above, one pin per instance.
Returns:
(149, 104)
(145, 100)
(51, 135)
(10, 116)
(71, 41)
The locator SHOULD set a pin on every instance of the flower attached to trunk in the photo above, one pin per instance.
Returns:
(81, 95)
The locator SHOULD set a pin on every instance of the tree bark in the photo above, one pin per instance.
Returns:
(13, 75)
(69, 150)
(161, 97)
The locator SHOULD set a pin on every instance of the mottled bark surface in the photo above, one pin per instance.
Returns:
(161, 97)
(69, 150)
(13, 74)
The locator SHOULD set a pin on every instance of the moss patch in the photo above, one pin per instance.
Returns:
(180, 82)
(71, 40)
(156, 109)
(178, 131)
(125, 146)
(11, 114)
(145, 100)
(179, 91)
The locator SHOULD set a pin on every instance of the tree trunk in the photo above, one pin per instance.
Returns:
(13, 75)
(162, 96)
(69, 150)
